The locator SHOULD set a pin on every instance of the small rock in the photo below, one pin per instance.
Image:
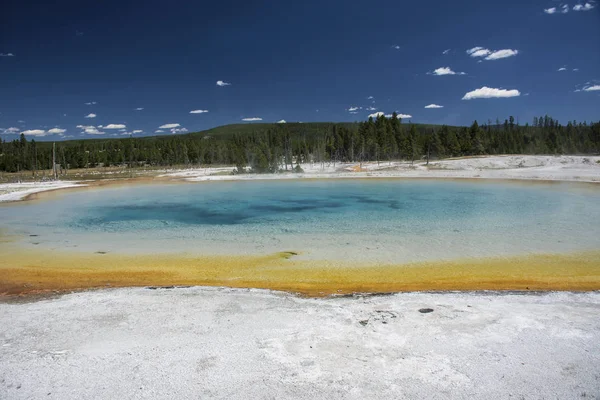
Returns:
(364, 322)
(425, 310)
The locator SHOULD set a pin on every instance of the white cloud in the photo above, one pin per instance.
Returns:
(370, 98)
(375, 115)
(91, 103)
(222, 83)
(56, 130)
(138, 131)
(562, 69)
(550, 10)
(122, 130)
(353, 112)
(433, 106)
(565, 9)
(491, 54)
(139, 109)
(353, 108)
(504, 53)
(34, 132)
(396, 47)
(283, 121)
(488, 93)
(252, 119)
(179, 130)
(446, 71)
(158, 131)
(478, 52)
(7, 55)
(169, 126)
(446, 51)
(575, 69)
(403, 116)
(371, 108)
(11, 130)
(584, 7)
(126, 133)
(198, 111)
(90, 129)
(114, 126)
(591, 88)
(90, 115)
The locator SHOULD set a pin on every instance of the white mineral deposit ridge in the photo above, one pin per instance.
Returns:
(551, 168)
(18, 191)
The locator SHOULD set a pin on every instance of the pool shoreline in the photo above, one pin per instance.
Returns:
(546, 169)
(31, 273)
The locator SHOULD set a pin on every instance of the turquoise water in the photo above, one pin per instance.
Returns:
(377, 220)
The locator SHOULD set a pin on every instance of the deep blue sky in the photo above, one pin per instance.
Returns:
(296, 61)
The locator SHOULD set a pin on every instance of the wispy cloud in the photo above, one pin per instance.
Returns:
(179, 130)
(91, 103)
(377, 114)
(169, 126)
(593, 88)
(198, 111)
(575, 69)
(446, 51)
(90, 115)
(114, 126)
(139, 109)
(491, 55)
(583, 7)
(433, 106)
(282, 121)
(252, 119)
(137, 131)
(446, 71)
(504, 53)
(90, 130)
(478, 51)
(396, 47)
(7, 55)
(34, 132)
(564, 9)
(56, 131)
(488, 93)
(158, 131)
(370, 98)
(354, 108)
(551, 10)
(371, 108)
(223, 83)
(10, 131)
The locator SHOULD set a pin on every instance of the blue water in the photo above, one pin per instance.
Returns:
(379, 220)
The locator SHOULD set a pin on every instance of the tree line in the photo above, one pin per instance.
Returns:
(275, 147)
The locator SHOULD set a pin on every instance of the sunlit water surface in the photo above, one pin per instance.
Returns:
(360, 220)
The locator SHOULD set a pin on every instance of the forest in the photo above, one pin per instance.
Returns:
(264, 148)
